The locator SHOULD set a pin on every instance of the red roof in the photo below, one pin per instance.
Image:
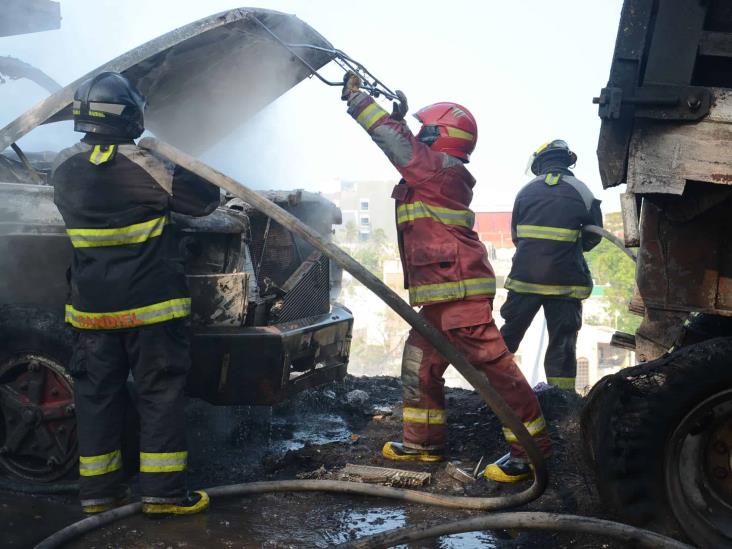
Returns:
(494, 227)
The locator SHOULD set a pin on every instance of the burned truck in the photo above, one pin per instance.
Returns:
(659, 435)
(265, 321)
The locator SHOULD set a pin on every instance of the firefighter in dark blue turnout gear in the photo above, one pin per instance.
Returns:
(128, 301)
(549, 270)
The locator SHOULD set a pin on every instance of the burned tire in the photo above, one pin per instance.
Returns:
(659, 438)
(38, 429)
(38, 439)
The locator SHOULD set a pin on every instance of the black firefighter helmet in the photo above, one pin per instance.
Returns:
(109, 104)
(553, 150)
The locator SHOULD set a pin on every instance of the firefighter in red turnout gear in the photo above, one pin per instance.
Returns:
(447, 273)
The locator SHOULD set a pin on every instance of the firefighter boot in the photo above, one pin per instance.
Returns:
(93, 507)
(193, 503)
(398, 452)
(508, 469)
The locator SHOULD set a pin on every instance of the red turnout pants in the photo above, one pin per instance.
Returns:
(423, 368)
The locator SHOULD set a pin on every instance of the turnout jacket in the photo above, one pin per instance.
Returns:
(116, 200)
(546, 227)
(443, 258)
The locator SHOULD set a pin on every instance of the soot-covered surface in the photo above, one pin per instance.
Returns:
(313, 436)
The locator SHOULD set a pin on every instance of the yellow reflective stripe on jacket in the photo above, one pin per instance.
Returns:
(561, 382)
(130, 318)
(460, 134)
(552, 179)
(92, 466)
(163, 462)
(534, 428)
(446, 216)
(431, 416)
(117, 236)
(452, 291)
(579, 292)
(99, 156)
(370, 116)
(547, 233)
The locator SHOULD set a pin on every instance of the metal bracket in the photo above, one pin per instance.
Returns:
(656, 102)
(369, 82)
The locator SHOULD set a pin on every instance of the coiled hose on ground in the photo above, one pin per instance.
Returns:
(474, 377)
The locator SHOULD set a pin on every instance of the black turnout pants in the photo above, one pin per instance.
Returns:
(563, 320)
(158, 357)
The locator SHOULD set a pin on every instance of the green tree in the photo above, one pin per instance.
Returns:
(351, 232)
(612, 269)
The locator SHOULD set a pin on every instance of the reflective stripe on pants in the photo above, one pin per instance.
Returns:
(163, 462)
(91, 466)
(534, 427)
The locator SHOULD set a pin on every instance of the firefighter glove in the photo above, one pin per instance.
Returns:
(400, 107)
(351, 84)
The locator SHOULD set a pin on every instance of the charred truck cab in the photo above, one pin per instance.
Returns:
(659, 434)
(264, 318)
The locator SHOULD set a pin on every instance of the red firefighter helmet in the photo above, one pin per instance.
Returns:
(448, 128)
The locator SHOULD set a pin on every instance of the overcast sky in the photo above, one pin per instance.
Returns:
(527, 69)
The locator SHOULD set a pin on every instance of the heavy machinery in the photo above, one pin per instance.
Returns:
(659, 435)
(265, 321)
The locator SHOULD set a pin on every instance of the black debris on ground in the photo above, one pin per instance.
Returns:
(314, 435)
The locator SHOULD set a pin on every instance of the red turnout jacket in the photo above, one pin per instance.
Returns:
(443, 258)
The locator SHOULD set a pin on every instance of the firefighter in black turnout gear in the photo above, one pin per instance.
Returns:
(128, 301)
(549, 269)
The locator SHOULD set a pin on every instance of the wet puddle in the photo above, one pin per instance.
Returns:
(275, 522)
(312, 428)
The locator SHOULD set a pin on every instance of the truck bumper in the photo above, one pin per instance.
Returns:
(264, 365)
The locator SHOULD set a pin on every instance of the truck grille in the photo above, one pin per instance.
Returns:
(306, 281)
(310, 294)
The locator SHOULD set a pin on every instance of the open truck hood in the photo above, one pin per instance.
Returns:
(202, 80)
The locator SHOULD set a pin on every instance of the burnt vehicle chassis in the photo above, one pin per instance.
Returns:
(659, 435)
(264, 321)
(263, 324)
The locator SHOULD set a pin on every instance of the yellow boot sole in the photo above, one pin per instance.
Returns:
(495, 473)
(388, 452)
(174, 509)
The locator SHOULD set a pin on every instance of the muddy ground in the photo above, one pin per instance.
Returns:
(313, 436)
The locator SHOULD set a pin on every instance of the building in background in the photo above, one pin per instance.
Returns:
(366, 206)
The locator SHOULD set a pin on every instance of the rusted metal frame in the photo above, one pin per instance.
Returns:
(615, 132)
(631, 219)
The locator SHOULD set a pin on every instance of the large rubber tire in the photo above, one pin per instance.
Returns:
(39, 332)
(627, 423)
(29, 332)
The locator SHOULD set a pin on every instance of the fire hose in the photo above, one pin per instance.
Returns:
(507, 417)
